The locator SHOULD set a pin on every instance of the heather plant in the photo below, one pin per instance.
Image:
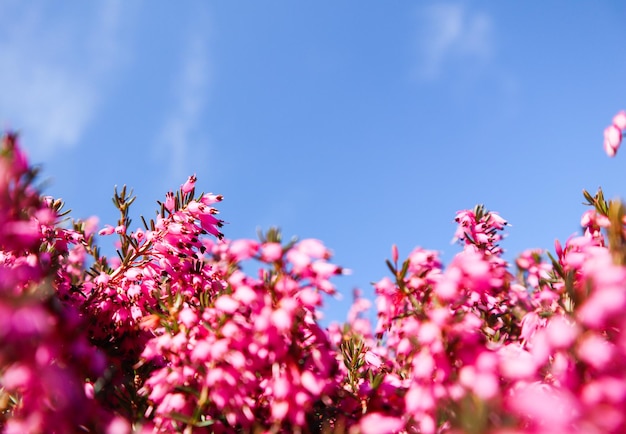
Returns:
(45, 359)
(185, 330)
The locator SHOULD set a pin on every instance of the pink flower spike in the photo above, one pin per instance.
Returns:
(620, 120)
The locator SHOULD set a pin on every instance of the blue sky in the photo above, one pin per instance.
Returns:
(361, 123)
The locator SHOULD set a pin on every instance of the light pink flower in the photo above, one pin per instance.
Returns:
(561, 332)
(373, 359)
(244, 249)
(313, 248)
(227, 304)
(516, 363)
(620, 120)
(189, 184)
(546, 406)
(169, 201)
(595, 351)
(612, 140)
(378, 423)
(106, 230)
(271, 252)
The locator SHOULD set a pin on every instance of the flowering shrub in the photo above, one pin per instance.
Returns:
(174, 335)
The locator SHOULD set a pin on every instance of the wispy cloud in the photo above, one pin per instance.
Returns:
(54, 67)
(181, 136)
(451, 35)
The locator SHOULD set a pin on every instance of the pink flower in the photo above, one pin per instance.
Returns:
(107, 230)
(118, 425)
(17, 376)
(419, 399)
(170, 202)
(373, 359)
(281, 319)
(620, 120)
(486, 385)
(244, 249)
(613, 134)
(378, 423)
(561, 332)
(313, 384)
(612, 140)
(313, 248)
(325, 270)
(187, 316)
(547, 406)
(595, 351)
(189, 184)
(227, 304)
(310, 298)
(280, 410)
(530, 323)
(271, 252)
(516, 363)
(210, 199)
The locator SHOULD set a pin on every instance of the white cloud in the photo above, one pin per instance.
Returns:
(452, 35)
(54, 67)
(180, 135)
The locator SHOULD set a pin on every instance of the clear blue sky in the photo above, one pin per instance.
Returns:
(361, 123)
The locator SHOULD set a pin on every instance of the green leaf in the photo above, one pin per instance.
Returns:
(180, 417)
(556, 266)
(204, 423)
(589, 198)
(405, 269)
(391, 267)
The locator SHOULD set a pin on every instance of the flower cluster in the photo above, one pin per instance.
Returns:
(188, 331)
(239, 349)
(45, 358)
